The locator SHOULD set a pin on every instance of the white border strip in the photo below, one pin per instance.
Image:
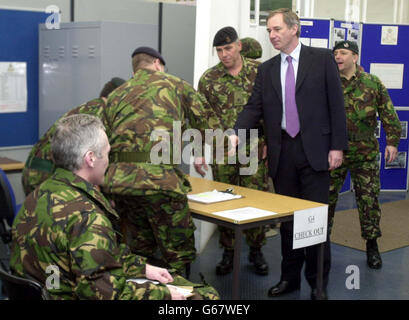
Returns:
(22, 8)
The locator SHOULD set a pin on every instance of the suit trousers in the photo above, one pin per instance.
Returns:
(296, 178)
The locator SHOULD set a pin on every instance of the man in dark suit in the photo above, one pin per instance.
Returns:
(298, 95)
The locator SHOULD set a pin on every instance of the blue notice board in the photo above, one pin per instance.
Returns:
(372, 51)
(19, 43)
(315, 29)
(393, 177)
(344, 30)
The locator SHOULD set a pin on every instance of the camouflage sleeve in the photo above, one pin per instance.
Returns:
(202, 88)
(388, 116)
(201, 116)
(102, 268)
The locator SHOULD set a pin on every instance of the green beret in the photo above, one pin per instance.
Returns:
(251, 48)
(349, 45)
(225, 36)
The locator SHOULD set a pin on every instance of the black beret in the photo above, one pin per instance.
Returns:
(225, 36)
(349, 45)
(149, 51)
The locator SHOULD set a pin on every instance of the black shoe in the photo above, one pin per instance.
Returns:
(374, 259)
(324, 295)
(257, 258)
(281, 288)
(226, 265)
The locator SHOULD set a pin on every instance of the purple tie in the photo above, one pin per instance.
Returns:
(291, 114)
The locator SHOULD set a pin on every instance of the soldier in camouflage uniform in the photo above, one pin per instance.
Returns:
(39, 165)
(151, 198)
(68, 225)
(227, 87)
(365, 97)
(251, 48)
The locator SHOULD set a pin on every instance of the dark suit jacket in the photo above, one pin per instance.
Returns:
(320, 104)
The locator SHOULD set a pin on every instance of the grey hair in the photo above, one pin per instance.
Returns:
(289, 17)
(74, 136)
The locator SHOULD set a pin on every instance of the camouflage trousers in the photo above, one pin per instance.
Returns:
(161, 221)
(365, 178)
(255, 237)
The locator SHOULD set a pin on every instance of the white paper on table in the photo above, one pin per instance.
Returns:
(212, 196)
(391, 74)
(243, 214)
(310, 226)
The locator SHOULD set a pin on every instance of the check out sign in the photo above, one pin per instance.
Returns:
(310, 226)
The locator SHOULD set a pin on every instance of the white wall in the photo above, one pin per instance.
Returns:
(375, 11)
(211, 16)
(138, 11)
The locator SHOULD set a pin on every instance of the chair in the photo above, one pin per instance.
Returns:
(8, 207)
(17, 288)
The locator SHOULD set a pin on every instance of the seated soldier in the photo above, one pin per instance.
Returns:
(67, 224)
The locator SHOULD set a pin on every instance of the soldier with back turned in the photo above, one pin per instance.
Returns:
(151, 197)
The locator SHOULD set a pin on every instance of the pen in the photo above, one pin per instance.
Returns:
(228, 190)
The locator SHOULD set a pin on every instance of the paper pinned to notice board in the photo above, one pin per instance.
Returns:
(389, 35)
(319, 43)
(305, 41)
(391, 74)
(13, 87)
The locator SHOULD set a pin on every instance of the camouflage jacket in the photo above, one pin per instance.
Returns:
(66, 223)
(39, 165)
(228, 94)
(365, 98)
(150, 103)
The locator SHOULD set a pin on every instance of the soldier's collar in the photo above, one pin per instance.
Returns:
(80, 184)
(358, 71)
(223, 69)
